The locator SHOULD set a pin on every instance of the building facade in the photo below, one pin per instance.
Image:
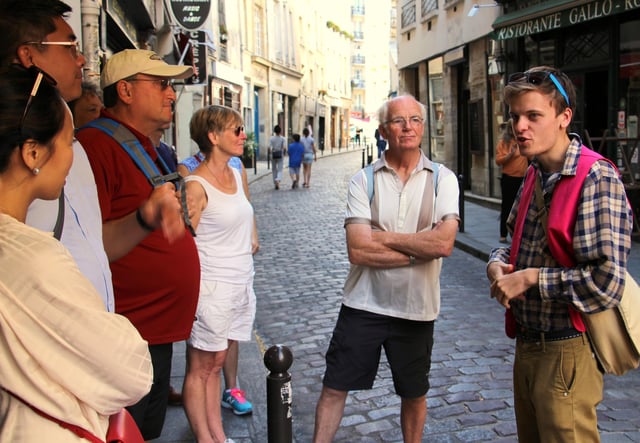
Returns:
(274, 61)
(456, 58)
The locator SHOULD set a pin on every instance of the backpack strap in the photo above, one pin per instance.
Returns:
(57, 229)
(368, 171)
(132, 146)
(425, 219)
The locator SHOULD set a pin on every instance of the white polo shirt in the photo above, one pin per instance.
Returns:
(409, 292)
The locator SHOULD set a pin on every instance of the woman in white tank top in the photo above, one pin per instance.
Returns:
(223, 220)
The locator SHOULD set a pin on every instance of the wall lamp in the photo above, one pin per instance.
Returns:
(474, 9)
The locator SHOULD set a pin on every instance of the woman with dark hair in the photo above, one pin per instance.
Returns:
(223, 219)
(65, 362)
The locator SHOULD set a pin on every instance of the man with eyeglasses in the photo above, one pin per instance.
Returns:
(36, 33)
(156, 280)
(398, 229)
(571, 235)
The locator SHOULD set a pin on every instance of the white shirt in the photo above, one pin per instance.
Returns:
(223, 235)
(409, 292)
(82, 229)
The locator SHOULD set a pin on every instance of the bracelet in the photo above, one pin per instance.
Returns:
(412, 260)
(143, 224)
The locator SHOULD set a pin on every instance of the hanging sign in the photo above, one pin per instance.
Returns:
(190, 14)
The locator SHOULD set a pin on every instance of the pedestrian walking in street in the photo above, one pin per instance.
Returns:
(513, 166)
(143, 227)
(66, 362)
(381, 143)
(296, 151)
(392, 293)
(277, 150)
(223, 219)
(571, 228)
(309, 156)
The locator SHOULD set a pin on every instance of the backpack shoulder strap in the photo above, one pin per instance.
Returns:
(368, 171)
(131, 145)
(436, 171)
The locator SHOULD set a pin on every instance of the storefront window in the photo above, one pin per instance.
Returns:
(539, 52)
(436, 107)
(629, 73)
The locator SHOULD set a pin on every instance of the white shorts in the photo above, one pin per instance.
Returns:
(225, 312)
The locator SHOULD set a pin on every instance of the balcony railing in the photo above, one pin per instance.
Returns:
(357, 83)
(357, 60)
(357, 10)
(358, 35)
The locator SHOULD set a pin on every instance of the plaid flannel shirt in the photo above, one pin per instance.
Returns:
(601, 240)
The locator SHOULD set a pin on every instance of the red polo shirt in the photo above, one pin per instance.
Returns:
(156, 285)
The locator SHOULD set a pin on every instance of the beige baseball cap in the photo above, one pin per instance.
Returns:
(130, 62)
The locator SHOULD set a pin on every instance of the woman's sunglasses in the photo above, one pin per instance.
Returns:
(537, 78)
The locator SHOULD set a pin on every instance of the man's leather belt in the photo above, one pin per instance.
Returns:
(530, 336)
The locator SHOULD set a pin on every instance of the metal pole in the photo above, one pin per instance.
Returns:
(461, 201)
(278, 360)
(91, 40)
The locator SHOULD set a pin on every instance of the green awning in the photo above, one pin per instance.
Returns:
(556, 14)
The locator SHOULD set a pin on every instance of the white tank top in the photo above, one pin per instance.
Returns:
(223, 236)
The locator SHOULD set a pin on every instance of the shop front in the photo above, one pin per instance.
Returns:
(597, 44)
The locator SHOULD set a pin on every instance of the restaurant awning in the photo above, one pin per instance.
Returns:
(556, 14)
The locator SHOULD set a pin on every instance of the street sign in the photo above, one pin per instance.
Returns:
(190, 14)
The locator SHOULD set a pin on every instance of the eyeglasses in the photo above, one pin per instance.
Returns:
(34, 90)
(237, 130)
(74, 47)
(537, 78)
(163, 82)
(414, 121)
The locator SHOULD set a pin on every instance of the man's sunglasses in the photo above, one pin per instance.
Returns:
(40, 75)
(163, 82)
(74, 47)
(537, 78)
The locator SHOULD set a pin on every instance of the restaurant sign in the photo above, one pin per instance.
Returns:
(560, 19)
(191, 14)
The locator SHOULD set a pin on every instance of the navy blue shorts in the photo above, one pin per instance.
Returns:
(354, 352)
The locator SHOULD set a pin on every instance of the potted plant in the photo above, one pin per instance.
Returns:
(249, 150)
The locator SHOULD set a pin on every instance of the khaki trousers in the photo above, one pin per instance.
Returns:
(557, 386)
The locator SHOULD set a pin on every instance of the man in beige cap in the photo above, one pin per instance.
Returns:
(155, 267)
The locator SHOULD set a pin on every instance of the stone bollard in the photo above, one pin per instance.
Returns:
(278, 360)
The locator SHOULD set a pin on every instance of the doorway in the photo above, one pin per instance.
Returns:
(592, 102)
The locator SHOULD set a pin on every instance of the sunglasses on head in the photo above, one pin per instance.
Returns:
(40, 75)
(537, 78)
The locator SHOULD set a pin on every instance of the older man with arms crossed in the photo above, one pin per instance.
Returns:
(396, 237)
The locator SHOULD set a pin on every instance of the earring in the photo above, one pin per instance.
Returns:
(36, 171)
